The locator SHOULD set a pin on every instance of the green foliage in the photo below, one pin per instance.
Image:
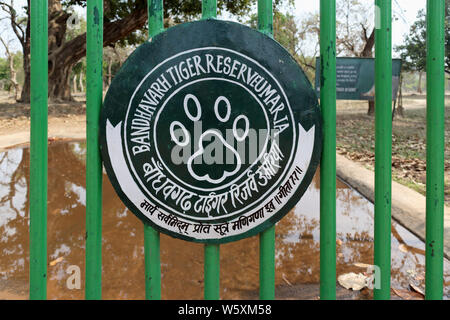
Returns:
(18, 66)
(177, 10)
(414, 50)
(290, 35)
(4, 69)
(284, 29)
(410, 81)
(5, 74)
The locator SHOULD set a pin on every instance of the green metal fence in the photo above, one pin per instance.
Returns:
(383, 132)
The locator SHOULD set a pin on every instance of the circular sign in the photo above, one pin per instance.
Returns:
(210, 132)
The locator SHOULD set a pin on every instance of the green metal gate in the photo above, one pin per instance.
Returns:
(383, 132)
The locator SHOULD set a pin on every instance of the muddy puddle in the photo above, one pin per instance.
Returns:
(297, 241)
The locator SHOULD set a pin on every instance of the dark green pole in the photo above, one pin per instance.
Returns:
(209, 9)
(383, 146)
(94, 97)
(211, 251)
(266, 238)
(435, 150)
(38, 150)
(328, 161)
(152, 236)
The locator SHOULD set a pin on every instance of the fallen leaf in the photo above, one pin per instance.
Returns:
(286, 280)
(353, 281)
(56, 261)
(408, 295)
(361, 265)
(417, 289)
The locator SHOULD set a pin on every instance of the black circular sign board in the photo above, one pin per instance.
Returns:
(210, 132)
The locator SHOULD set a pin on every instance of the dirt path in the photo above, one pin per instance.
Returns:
(65, 120)
(17, 131)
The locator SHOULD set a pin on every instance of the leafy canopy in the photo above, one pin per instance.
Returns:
(414, 50)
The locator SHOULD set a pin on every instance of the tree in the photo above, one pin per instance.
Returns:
(11, 66)
(21, 28)
(124, 23)
(78, 76)
(113, 58)
(414, 50)
(355, 34)
(293, 35)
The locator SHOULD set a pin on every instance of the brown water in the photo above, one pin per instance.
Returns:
(297, 241)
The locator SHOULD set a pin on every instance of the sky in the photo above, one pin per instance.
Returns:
(406, 10)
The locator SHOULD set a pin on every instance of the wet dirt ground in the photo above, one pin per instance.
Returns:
(297, 241)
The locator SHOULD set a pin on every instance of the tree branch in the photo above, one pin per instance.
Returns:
(75, 49)
(9, 9)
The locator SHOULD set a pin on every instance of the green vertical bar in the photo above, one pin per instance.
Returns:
(267, 264)
(265, 17)
(209, 9)
(435, 150)
(94, 97)
(155, 17)
(266, 238)
(152, 263)
(211, 251)
(212, 272)
(38, 150)
(383, 146)
(151, 236)
(328, 161)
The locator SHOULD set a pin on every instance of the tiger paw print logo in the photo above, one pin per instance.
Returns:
(222, 111)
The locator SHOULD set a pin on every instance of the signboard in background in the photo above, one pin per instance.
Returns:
(211, 132)
(355, 78)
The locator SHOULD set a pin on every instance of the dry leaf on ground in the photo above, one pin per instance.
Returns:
(56, 261)
(353, 281)
(408, 295)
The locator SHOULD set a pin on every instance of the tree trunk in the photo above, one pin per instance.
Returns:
(367, 52)
(80, 82)
(64, 55)
(59, 64)
(400, 109)
(59, 82)
(109, 71)
(14, 87)
(74, 84)
(25, 96)
(14, 82)
(371, 110)
(419, 86)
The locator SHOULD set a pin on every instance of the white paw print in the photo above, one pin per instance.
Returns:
(185, 138)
